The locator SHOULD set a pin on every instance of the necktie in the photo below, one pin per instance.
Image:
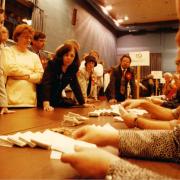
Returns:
(122, 87)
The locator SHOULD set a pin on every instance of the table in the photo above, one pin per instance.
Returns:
(28, 163)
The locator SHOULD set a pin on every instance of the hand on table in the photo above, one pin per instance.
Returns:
(129, 119)
(132, 103)
(48, 108)
(90, 162)
(97, 135)
(5, 110)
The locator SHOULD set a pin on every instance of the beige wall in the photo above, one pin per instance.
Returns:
(90, 33)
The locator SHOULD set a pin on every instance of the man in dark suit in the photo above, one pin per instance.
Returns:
(122, 81)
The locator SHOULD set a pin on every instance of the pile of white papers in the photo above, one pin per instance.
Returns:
(47, 139)
(115, 110)
(73, 119)
(104, 112)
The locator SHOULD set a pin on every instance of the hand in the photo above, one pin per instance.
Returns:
(48, 108)
(97, 135)
(112, 101)
(132, 103)
(90, 162)
(89, 105)
(5, 110)
(129, 119)
(156, 100)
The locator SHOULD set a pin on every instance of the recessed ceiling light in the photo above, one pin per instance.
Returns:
(126, 18)
(116, 22)
(108, 7)
(104, 10)
(132, 30)
(120, 20)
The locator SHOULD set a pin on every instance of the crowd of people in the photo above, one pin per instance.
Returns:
(29, 78)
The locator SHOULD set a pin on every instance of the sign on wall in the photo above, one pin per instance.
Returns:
(141, 58)
(157, 74)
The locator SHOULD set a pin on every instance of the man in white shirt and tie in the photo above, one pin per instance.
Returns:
(121, 77)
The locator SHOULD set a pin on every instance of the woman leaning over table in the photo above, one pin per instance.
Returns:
(22, 68)
(60, 72)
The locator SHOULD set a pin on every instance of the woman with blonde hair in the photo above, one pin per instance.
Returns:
(22, 68)
(169, 88)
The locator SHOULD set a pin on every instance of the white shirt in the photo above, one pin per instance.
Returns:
(16, 63)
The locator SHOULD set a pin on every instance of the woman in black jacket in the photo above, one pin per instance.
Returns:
(60, 72)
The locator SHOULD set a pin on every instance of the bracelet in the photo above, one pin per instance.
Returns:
(136, 122)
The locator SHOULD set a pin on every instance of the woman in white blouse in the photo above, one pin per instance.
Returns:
(22, 68)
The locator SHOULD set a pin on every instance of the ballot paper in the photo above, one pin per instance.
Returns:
(55, 141)
(118, 118)
(108, 127)
(67, 144)
(71, 121)
(55, 155)
(41, 140)
(95, 113)
(77, 116)
(26, 137)
(5, 142)
(138, 111)
(15, 139)
(121, 109)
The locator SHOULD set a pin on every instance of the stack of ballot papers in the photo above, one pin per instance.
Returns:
(73, 119)
(138, 111)
(113, 111)
(47, 139)
(5, 142)
(116, 110)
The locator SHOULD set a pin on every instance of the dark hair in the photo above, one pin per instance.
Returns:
(90, 58)
(39, 35)
(73, 68)
(127, 56)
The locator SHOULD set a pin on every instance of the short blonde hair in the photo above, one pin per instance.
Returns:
(20, 29)
(167, 74)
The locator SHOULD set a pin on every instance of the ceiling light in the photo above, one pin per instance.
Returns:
(126, 18)
(108, 7)
(120, 20)
(132, 30)
(104, 10)
(116, 22)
